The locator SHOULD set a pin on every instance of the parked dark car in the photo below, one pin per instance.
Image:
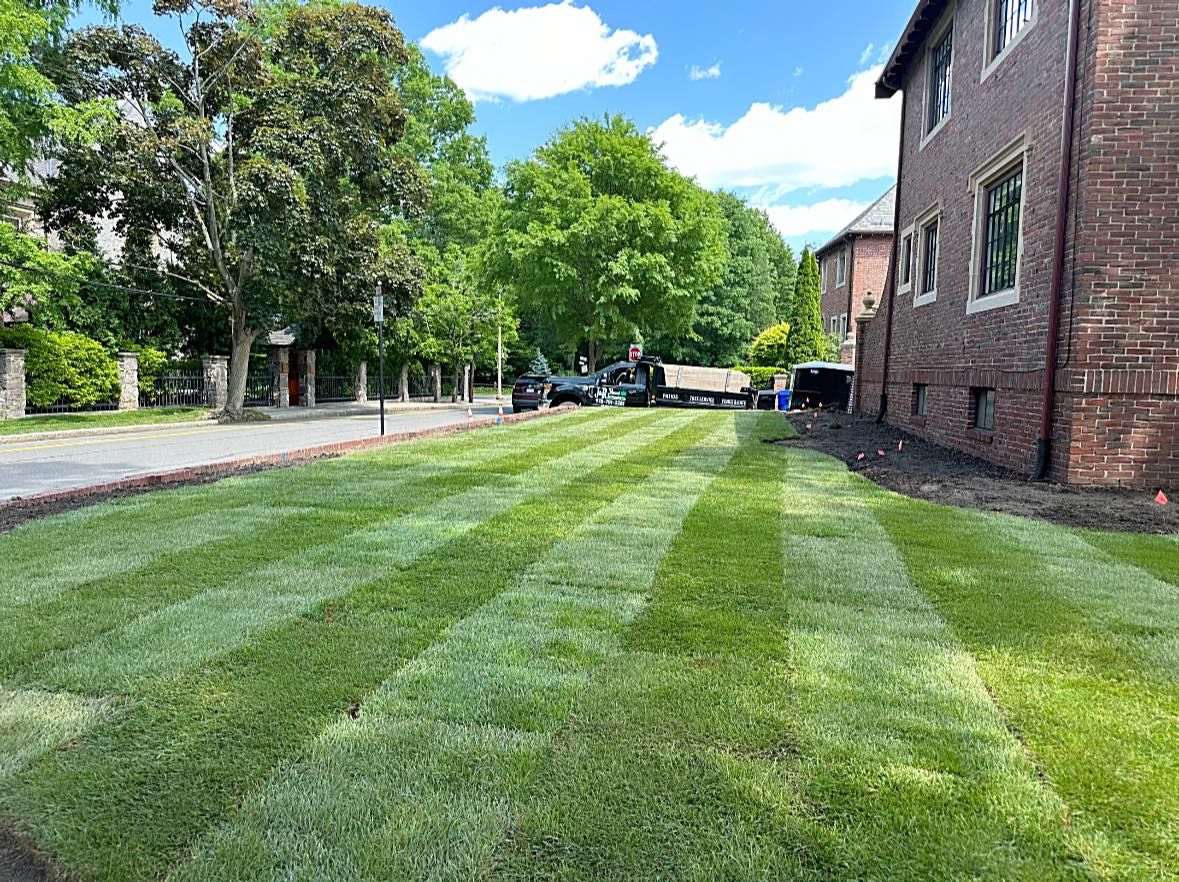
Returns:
(528, 392)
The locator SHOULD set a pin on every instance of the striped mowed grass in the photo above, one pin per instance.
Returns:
(603, 645)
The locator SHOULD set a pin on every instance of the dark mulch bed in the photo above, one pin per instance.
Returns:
(18, 863)
(925, 470)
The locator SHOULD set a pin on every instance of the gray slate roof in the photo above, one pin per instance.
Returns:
(876, 218)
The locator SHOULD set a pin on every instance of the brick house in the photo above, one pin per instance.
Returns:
(853, 263)
(1032, 310)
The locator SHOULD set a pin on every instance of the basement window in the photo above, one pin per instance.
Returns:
(984, 409)
(920, 394)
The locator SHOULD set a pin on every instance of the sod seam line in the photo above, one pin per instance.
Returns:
(234, 607)
(376, 708)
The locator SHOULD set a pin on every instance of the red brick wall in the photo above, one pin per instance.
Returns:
(871, 259)
(1121, 326)
(1116, 419)
(939, 343)
(834, 297)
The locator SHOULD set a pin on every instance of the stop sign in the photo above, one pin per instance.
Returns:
(635, 352)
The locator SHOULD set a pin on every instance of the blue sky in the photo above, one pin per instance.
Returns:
(770, 99)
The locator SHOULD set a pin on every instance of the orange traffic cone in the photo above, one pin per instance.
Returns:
(499, 417)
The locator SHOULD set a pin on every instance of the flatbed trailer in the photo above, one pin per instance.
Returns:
(650, 383)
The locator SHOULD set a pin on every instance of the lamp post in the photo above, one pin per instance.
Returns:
(379, 318)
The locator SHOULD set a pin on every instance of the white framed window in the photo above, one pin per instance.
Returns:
(939, 78)
(905, 261)
(1007, 22)
(843, 326)
(997, 239)
(824, 269)
(927, 241)
(834, 324)
(841, 268)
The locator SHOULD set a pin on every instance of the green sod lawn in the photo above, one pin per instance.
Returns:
(603, 645)
(59, 422)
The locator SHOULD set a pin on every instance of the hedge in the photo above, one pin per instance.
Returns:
(762, 377)
(63, 367)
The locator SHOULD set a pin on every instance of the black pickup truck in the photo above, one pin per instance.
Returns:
(642, 383)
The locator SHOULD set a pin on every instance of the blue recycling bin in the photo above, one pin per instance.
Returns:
(783, 399)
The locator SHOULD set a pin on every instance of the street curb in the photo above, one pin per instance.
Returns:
(229, 467)
(311, 414)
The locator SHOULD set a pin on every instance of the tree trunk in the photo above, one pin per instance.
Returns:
(454, 391)
(403, 383)
(436, 376)
(592, 355)
(239, 363)
(471, 383)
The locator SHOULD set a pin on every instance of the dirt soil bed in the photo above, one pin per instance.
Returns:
(924, 470)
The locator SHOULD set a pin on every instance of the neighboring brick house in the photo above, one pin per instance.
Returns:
(1038, 199)
(853, 263)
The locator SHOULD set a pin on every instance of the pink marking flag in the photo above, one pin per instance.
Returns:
(1161, 499)
(900, 445)
(861, 456)
(879, 452)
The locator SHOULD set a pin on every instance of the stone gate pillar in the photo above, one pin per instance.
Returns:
(280, 374)
(12, 383)
(128, 381)
(216, 368)
(307, 377)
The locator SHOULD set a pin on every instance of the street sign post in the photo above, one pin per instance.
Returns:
(379, 318)
(635, 352)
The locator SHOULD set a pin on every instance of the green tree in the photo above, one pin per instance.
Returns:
(29, 108)
(599, 237)
(29, 273)
(807, 340)
(746, 299)
(262, 160)
(771, 348)
(786, 269)
(453, 319)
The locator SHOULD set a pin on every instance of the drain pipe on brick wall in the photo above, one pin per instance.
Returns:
(1044, 442)
(890, 280)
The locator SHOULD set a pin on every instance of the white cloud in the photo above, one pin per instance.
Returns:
(798, 71)
(696, 72)
(538, 52)
(850, 138)
(827, 216)
(866, 55)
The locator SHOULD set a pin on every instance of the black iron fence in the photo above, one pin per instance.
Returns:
(176, 389)
(259, 389)
(335, 388)
(65, 406)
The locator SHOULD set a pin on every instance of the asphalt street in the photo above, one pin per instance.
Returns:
(43, 466)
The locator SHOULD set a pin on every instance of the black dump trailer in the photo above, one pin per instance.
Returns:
(822, 384)
(650, 383)
(646, 382)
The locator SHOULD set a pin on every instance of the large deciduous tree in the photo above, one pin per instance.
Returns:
(746, 299)
(261, 160)
(599, 237)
